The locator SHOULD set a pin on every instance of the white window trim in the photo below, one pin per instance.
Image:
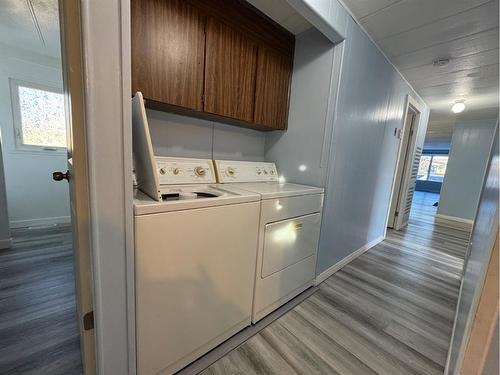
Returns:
(17, 119)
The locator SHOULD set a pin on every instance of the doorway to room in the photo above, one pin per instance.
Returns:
(406, 168)
(45, 289)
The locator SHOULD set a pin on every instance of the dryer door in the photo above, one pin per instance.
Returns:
(288, 242)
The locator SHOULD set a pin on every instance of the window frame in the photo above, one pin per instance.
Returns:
(428, 168)
(17, 117)
(432, 154)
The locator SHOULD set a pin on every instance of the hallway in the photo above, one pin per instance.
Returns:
(390, 311)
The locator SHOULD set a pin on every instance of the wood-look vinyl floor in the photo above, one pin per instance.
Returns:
(390, 311)
(38, 323)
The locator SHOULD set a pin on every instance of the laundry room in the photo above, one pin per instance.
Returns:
(224, 128)
(222, 187)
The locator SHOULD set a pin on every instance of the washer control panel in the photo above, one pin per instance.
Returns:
(245, 171)
(176, 171)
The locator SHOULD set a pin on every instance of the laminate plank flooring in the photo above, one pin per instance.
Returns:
(390, 311)
(38, 322)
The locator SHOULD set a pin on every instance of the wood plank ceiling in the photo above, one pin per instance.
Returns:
(415, 33)
(30, 27)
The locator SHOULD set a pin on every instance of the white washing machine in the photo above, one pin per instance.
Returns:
(290, 220)
(195, 256)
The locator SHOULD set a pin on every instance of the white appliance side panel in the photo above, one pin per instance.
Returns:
(285, 208)
(287, 242)
(195, 272)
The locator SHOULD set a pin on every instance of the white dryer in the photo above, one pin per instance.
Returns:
(290, 220)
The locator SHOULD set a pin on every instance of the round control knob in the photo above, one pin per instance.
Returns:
(200, 171)
(176, 171)
(229, 171)
(163, 171)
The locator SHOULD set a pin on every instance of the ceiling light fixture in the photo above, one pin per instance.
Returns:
(458, 107)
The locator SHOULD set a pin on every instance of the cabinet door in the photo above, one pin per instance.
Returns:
(230, 72)
(272, 88)
(168, 43)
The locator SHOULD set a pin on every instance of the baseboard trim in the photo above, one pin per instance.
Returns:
(447, 218)
(348, 259)
(5, 243)
(42, 222)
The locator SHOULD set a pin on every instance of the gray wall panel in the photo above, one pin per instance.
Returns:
(470, 145)
(189, 137)
(306, 142)
(180, 136)
(478, 256)
(233, 143)
(363, 151)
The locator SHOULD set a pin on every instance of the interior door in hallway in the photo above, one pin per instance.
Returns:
(406, 171)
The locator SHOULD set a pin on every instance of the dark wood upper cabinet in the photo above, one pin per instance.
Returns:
(229, 72)
(217, 59)
(168, 47)
(272, 88)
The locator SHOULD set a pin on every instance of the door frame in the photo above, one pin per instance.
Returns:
(73, 82)
(402, 171)
(106, 42)
(102, 36)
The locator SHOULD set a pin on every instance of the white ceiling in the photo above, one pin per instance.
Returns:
(30, 25)
(283, 13)
(414, 33)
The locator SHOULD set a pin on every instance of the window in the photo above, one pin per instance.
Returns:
(432, 167)
(39, 120)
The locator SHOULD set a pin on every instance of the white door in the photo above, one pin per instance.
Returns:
(76, 175)
(405, 176)
(408, 177)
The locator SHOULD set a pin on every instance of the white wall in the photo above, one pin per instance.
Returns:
(33, 197)
(468, 158)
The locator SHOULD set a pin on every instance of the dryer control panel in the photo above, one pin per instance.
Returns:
(177, 171)
(245, 171)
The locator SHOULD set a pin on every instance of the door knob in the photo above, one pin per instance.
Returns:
(59, 176)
